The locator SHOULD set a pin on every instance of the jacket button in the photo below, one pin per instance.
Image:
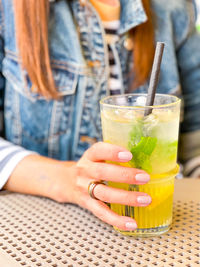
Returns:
(93, 64)
(88, 139)
(128, 44)
(83, 2)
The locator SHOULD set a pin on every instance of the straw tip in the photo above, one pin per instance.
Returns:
(161, 44)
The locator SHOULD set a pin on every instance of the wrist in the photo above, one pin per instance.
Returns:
(62, 183)
(38, 175)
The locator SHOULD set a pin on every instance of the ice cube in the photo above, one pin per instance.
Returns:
(150, 122)
(141, 101)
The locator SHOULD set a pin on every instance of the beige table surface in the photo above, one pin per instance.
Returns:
(36, 231)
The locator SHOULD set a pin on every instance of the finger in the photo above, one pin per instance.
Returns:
(102, 211)
(116, 173)
(105, 151)
(120, 196)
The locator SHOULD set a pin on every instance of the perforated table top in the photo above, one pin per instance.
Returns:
(36, 231)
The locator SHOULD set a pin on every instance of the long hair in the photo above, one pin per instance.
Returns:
(144, 47)
(32, 39)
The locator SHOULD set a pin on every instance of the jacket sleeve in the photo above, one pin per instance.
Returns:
(10, 154)
(188, 59)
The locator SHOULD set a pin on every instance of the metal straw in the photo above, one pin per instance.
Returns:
(154, 77)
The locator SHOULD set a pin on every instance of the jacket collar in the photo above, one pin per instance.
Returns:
(132, 14)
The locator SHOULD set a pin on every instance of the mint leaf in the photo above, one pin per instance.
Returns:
(142, 152)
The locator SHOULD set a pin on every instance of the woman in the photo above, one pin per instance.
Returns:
(58, 59)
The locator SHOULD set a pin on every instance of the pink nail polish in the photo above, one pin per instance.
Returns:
(144, 199)
(131, 226)
(142, 177)
(125, 155)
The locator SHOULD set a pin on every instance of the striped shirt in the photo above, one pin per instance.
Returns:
(110, 15)
(10, 156)
(114, 81)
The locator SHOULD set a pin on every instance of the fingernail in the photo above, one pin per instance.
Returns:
(125, 155)
(131, 225)
(142, 177)
(144, 199)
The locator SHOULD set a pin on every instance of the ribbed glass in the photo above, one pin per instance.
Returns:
(157, 217)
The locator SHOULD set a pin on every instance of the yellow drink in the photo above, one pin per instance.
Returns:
(157, 217)
(152, 141)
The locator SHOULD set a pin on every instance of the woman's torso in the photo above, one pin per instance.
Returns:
(64, 129)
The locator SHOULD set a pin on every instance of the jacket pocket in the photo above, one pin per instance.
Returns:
(65, 79)
(32, 120)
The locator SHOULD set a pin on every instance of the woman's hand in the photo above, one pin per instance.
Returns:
(92, 167)
(68, 181)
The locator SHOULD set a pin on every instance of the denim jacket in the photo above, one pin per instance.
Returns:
(65, 128)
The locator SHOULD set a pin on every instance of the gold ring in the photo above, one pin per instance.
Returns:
(91, 188)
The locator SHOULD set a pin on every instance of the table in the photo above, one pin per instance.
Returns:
(37, 231)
